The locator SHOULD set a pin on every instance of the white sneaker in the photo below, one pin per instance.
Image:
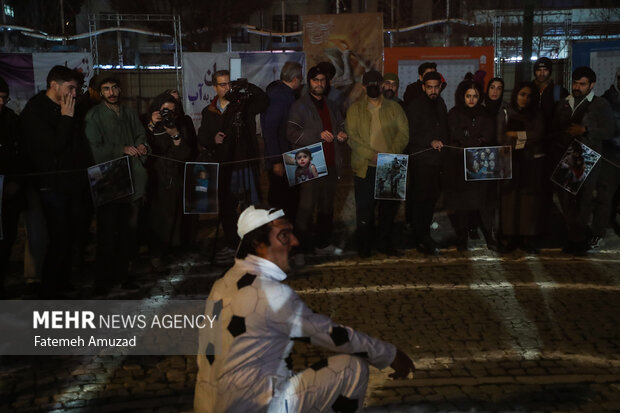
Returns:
(596, 242)
(331, 249)
(299, 260)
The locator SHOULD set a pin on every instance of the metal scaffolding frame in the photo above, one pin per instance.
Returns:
(119, 19)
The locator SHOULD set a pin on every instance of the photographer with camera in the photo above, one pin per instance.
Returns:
(166, 138)
(228, 132)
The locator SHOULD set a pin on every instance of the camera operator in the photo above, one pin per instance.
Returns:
(167, 138)
(228, 132)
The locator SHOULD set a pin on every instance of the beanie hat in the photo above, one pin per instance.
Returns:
(393, 77)
(545, 63)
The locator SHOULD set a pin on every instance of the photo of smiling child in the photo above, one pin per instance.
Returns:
(305, 164)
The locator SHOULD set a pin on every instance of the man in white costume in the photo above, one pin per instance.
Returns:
(260, 319)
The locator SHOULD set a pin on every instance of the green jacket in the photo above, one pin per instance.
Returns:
(395, 129)
(108, 134)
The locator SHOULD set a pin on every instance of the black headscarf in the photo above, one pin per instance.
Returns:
(459, 97)
(492, 106)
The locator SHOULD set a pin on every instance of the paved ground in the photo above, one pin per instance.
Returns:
(487, 333)
(490, 333)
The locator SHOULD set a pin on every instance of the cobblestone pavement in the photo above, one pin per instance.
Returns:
(487, 333)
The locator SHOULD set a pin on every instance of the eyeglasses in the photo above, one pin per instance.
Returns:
(5, 98)
(284, 236)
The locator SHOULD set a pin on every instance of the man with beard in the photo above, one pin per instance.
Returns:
(428, 129)
(389, 87)
(588, 119)
(375, 125)
(415, 89)
(113, 131)
(315, 119)
(50, 132)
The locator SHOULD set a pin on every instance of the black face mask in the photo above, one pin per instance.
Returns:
(373, 91)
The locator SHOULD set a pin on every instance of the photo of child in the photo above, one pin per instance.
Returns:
(305, 169)
(305, 164)
(200, 189)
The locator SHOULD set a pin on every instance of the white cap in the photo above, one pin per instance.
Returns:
(252, 218)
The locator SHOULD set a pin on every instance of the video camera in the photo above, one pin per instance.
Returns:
(239, 91)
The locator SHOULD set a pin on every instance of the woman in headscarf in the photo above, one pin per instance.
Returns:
(167, 138)
(470, 126)
(520, 125)
(494, 98)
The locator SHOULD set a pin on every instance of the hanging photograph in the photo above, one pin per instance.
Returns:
(487, 163)
(110, 181)
(305, 164)
(575, 166)
(391, 176)
(200, 188)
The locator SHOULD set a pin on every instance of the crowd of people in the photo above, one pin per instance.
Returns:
(46, 149)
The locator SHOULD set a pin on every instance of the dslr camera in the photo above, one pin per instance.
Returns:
(168, 118)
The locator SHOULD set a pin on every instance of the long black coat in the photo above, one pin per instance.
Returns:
(468, 128)
(521, 197)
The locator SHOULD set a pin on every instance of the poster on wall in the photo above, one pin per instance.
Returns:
(198, 69)
(353, 43)
(452, 62)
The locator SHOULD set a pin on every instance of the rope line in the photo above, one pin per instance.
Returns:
(67, 171)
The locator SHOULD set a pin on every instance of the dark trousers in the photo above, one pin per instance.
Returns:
(117, 224)
(425, 191)
(604, 208)
(317, 194)
(165, 213)
(365, 204)
(576, 209)
(283, 196)
(56, 271)
(235, 187)
(12, 205)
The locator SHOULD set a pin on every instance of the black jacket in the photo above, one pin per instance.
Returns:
(233, 147)
(51, 142)
(428, 121)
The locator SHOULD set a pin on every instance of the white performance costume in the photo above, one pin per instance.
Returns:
(260, 318)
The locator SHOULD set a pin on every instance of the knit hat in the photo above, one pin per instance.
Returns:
(372, 76)
(544, 63)
(393, 77)
(252, 218)
(4, 87)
